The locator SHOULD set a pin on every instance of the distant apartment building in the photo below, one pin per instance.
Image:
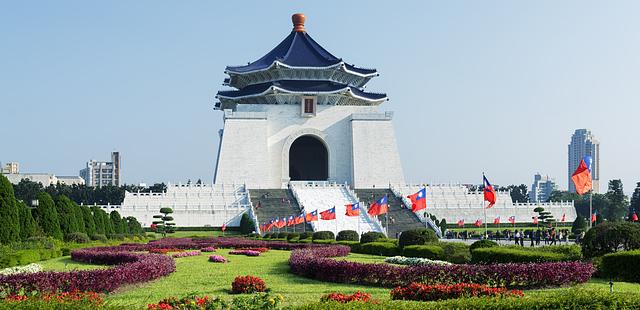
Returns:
(11, 168)
(102, 173)
(583, 143)
(542, 188)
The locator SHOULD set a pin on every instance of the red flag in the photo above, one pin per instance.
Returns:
(512, 219)
(593, 216)
(281, 222)
(461, 223)
(564, 217)
(489, 192)
(634, 217)
(418, 200)
(329, 214)
(478, 223)
(291, 221)
(312, 216)
(300, 218)
(154, 227)
(224, 227)
(496, 220)
(582, 178)
(379, 207)
(353, 209)
(535, 220)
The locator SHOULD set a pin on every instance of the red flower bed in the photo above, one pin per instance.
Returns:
(424, 292)
(261, 250)
(316, 263)
(344, 298)
(61, 298)
(247, 284)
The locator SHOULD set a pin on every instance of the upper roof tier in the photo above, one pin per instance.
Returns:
(298, 51)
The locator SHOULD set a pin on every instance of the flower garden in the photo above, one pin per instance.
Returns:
(254, 273)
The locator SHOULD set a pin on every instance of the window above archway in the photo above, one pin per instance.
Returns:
(308, 106)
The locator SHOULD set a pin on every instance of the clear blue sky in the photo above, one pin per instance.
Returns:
(494, 86)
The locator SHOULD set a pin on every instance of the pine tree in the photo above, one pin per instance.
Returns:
(89, 223)
(97, 218)
(116, 222)
(619, 202)
(27, 223)
(634, 206)
(68, 222)
(108, 225)
(9, 220)
(47, 216)
(125, 226)
(77, 211)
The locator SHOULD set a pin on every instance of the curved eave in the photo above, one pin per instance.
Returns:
(348, 90)
(346, 67)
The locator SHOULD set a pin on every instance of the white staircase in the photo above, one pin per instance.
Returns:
(322, 196)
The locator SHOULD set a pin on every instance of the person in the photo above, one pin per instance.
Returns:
(531, 235)
(522, 239)
(517, 236)
(538, 235)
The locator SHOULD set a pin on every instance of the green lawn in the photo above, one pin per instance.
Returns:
(196, 274)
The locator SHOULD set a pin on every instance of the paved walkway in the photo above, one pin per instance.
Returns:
(527, 242)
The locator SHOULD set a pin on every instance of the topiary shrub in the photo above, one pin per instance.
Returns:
(611, 237)
(379, 248)
(283, 235)
(371, 236)
(322, 241)
(621, 265)
(348, 235)
(99, 237)
(323, 235)
(292, 236)
(306, 235)
(482, 244)
(424, 251)
(417, 237)
(455, 252)
(78, 237)
(510, 255)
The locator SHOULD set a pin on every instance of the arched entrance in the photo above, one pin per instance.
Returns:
(308, 160)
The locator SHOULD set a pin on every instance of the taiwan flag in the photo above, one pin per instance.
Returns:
(281, 222)
(564, 217)
(379, 207)
(291, 221)
(496, 220)
(312, 216)
(582, 176)
(224, 227)
(512, 219)
(353, 209)
(329, 214)
(478, 223)
(461, 223)
(489, 192)
(594, 216)
(535, 220)
(634, 217)
(300, 219)
(269, 225)
(418, 200)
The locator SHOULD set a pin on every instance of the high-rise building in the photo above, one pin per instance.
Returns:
(11, 168)
(102, 173)
(542, 188)
(583, 143)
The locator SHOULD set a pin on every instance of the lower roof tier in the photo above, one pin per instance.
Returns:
(292, 91)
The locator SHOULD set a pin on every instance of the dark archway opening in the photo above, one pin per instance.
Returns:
(308, 160)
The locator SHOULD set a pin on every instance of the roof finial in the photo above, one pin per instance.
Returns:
(298, 22)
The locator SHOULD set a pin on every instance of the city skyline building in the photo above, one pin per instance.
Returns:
(542, 188)
(102, 173)
(584, 143)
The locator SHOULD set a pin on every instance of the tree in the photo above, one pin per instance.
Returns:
(618, 202)
(66, 215)
(77, 211)
(28, 225)
(134, 226)
(9, 220)
(116, 221)
(579, 225)
(47, 216)
(247, 225)
(519, 193)
(634, 205)
(557, 196)
(98, 220)
(27, 190)
(89, 222)
(164, 224)
(124, 225)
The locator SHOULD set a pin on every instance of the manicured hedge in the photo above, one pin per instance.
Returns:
(371, 236)
(25, 257)
(418, 236)
(484, 243)
(573, 298)
(424, 251)
(621, 265)
(379, 248)
(293, 236)
(323, 235)
(348, 235)
(509, 255)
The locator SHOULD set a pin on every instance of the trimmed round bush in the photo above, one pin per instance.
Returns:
(306, 235)
(292, 236)
(283, 235)
(484, 243)
(348, 235)
(417, 237)
(621, 265)
(611, 237)
(371, 236)
(78, 237)
(323, 235)
(510, 255)
(424, 251)
(379, 248)
(99, 237)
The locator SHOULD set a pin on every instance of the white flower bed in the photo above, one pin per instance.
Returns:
(31, 268)
(414, 261)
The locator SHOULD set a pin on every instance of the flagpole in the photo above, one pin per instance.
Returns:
(484, 209)
(591, 207)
